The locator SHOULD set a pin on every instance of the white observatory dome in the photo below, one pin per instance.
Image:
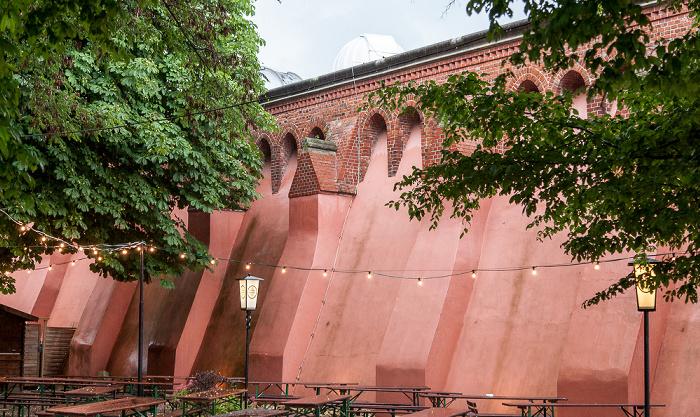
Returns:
(274, 79)
(366, 48)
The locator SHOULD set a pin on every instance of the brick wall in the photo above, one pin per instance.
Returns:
(327, 108)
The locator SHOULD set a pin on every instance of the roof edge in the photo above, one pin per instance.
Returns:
(395, 62)
(25, 316)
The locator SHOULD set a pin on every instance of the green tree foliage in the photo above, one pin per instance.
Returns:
(179, 79)
(612, 184)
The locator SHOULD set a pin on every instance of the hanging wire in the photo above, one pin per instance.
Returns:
(420, 274)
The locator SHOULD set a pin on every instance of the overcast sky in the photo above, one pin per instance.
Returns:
(304, 36)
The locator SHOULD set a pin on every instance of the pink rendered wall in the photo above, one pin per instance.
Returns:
(505, 332)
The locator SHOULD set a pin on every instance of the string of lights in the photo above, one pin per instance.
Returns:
(423, 275)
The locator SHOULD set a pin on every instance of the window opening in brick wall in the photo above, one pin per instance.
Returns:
(289, 151)
(574, 82)
(317, 133)
(264, 147)
(528, 86)
(409, 120)
(374, 127)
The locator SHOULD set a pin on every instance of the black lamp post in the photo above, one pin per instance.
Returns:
(140, 355)
(249, 300)
(646, 302)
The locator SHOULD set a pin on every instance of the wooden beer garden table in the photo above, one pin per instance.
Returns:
(530, 409)
(411, 392)
(92, 393)
(206, 401)
(125, 406)
(444, 399)
(319, 404)
(440, 412)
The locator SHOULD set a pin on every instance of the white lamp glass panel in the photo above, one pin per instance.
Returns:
(646, 298)
(248, 292)
(252, 293)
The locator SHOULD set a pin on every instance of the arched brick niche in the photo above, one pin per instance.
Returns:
(287, 150)
(317, 133)
(574, 82)
(528, 86)
(373, 126)
(407, 120)
(264, 146)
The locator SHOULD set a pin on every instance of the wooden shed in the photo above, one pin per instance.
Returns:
(12, 329)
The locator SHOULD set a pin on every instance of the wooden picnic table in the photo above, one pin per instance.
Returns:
(206, 401)
(262, 388)
(255, 412)
(411, 392)
(93, 393)
(531, 409)
(127, 405)
(153, 388)
(319, 404)
(444, 399)
(441, 412)
(45, 386)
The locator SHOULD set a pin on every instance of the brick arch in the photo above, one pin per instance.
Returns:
(316, 128)
(285, 145)
(370, 125)
(575, 79)
(560, 76)
(264, 144)
(406, 118)
(289, 128)
(528, 75)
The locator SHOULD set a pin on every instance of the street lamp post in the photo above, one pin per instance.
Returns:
(646, 302)
(249, 300)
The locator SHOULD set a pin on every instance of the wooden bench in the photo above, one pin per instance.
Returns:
(318, 404)
(442, 412)
(474, 412)
(255, 412)
(23, 407)
(272, 400)
(122, 406)
(369, 409)
(635, 410)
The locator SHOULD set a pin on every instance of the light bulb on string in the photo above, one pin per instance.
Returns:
(534, 271)
(94, 251)
(369, 275)
(124, 251)
(597, 266)
(138, 248)
(43, 238)
(247, 266)
(151, 249)
(80, 248)
(182, 256)
(420, 281)
(72, 263)
(99, 258)
(50, 267)
(473, 273)
(212, 261)
(325, 272)
(284, 269)
(61, 245)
